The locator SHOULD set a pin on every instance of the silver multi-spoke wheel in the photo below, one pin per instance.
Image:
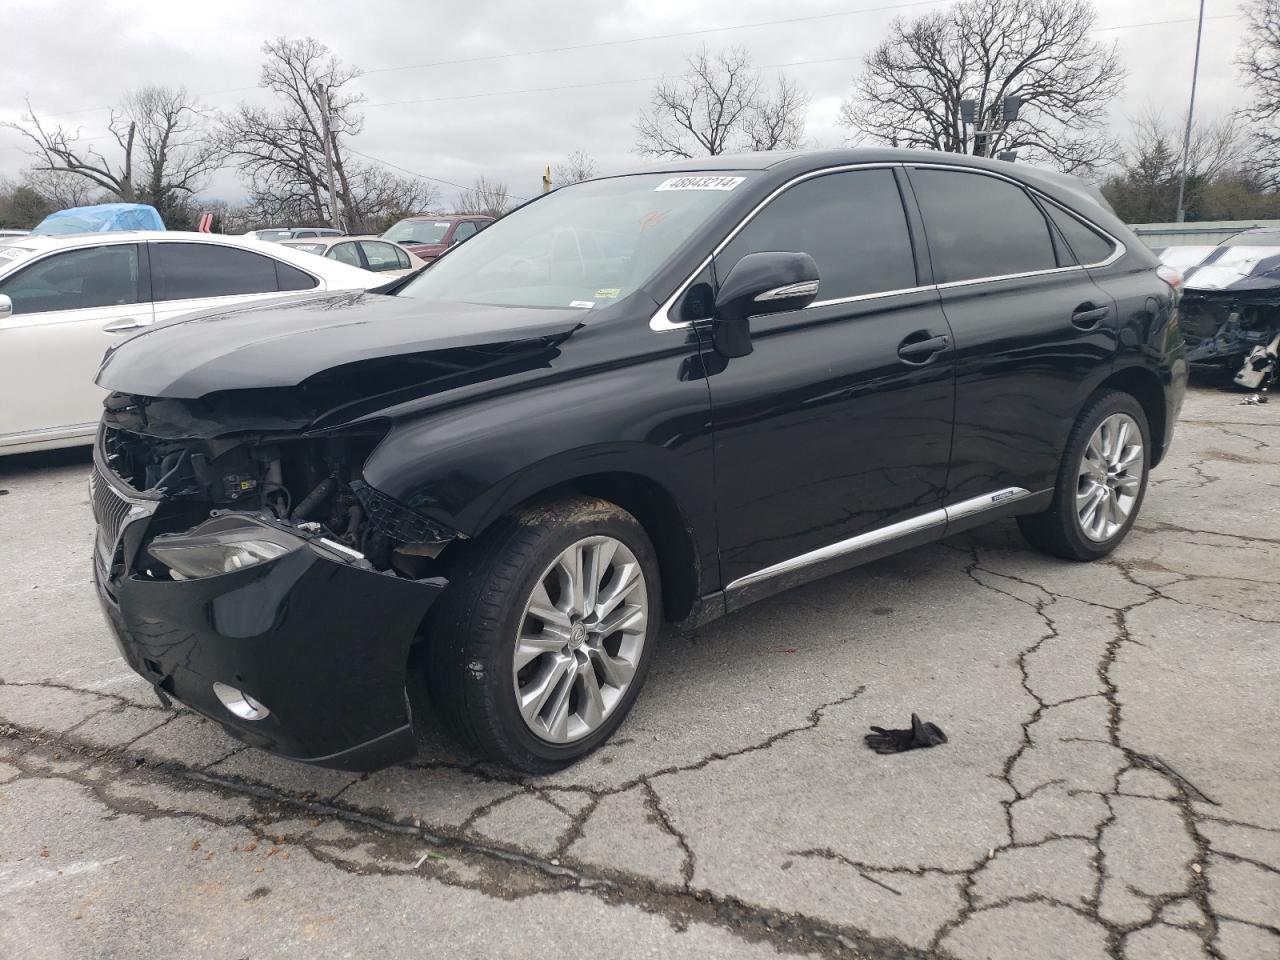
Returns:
(580, 639)
(1110, 477)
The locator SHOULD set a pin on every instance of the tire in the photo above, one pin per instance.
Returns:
(474, 682)
(1060, 530)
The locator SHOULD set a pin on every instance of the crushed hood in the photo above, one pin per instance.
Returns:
(284, 343)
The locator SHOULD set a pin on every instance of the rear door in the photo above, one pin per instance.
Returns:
(69, 307)
(1033, 333)
(837, 423)
(189, 276)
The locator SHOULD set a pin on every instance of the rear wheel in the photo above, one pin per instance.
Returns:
(542, 641)
(1101, 483)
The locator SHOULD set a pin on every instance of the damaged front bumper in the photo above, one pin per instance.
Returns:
(303, 654)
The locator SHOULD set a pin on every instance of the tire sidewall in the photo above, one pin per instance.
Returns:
(1108, 405)
(501, 668)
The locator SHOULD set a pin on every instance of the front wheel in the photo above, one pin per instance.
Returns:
(1101, 483)
(543, 639)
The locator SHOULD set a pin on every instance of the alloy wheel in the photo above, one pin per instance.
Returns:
(580, 639)
(1110, 477)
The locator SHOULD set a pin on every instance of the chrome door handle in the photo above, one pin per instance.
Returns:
(123, 326)
(1087, 316)
(922, 351)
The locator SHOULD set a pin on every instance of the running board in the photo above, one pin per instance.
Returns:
(926, 522)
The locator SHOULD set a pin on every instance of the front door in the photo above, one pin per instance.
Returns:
(68, 309)
(839, 422)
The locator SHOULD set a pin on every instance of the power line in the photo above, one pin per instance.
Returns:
(657, 36)
(415, 173)
(765, 66)
(644, 39)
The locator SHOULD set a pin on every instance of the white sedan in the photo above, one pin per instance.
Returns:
(65, 300)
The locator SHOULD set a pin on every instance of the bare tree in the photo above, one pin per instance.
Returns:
(910, 90)
(1145, 189)
(162, 155)
(778, 122)
(488, 197)
(176, 151)
(575, 168)
(61, 188)
(718, 105)
(281, 150)
(1260, 65)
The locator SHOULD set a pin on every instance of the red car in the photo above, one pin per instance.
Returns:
(428, 237)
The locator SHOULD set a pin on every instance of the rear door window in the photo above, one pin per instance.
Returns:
(190, 271)
(77, 279)
(463, 230)
(852, 224)
(980, 226)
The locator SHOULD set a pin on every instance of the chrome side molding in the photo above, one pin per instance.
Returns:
(894, 531)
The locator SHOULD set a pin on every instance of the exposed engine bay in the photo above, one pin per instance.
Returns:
(308, 483)
(1225, 329)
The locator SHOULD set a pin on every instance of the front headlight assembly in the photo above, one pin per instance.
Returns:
(221, 545)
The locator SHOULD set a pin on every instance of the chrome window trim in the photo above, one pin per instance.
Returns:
(660, 321)
(894, 531)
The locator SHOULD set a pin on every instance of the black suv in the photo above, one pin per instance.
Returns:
(643, 398)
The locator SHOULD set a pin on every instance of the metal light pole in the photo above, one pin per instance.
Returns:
(322, 94)
(1191, 108)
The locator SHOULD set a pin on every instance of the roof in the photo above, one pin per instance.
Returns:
(801, 161)
(423, 217)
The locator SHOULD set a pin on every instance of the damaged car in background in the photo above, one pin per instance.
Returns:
(647, 398)
(1230, 306)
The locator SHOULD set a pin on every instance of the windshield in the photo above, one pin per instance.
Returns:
(418, 231)
(583, 246)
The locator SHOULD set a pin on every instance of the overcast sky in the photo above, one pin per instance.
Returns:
(74, 58)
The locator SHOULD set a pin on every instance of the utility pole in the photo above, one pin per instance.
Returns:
(1191, 108)
(322, 94)
(546, 179)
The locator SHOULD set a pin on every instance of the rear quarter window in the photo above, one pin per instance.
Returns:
(1086, 244)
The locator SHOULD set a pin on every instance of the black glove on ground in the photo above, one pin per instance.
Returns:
(921, 734)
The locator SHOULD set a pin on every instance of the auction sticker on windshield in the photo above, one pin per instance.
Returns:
(700, 183)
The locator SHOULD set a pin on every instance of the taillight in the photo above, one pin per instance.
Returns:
(1170, 276)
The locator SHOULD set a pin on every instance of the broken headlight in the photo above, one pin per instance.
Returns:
(221, 545)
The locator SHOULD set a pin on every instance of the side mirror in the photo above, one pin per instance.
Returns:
(6, 307)
(761, 283)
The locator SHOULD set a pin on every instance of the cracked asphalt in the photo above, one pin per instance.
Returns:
(1111, 787)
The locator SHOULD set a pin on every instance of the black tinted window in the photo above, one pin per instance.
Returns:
(96, 277)
(291, 278)
(979, 226)
(1086, 244)
(185, 271)
(852, 224)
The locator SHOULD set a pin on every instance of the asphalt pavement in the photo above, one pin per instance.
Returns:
(1111, 787)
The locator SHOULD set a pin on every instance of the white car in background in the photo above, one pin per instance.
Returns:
(65, 300)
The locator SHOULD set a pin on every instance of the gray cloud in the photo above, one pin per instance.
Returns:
(75, 56)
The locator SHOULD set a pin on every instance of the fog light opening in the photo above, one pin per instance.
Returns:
(240, 703)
